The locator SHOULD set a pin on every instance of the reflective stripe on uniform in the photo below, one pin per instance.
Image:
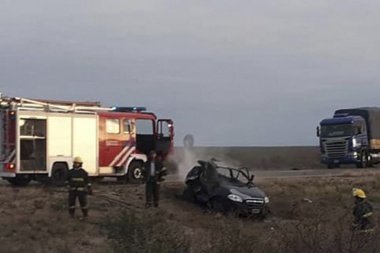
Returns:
(77, 188)
(71, 207)
(367, 214)
(77, 179)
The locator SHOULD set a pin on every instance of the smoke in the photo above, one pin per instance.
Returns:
(184, 159)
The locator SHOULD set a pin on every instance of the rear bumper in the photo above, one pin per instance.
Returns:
(7, 174)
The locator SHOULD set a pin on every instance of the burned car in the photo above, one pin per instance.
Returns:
(225, 189)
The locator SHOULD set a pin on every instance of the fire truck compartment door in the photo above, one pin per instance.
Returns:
(59, 135)
(85, 141)
(73, 135)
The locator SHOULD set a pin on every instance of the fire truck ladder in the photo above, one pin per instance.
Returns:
(52, 105)
(7, 146)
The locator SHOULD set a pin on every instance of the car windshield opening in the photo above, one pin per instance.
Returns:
(231, 176)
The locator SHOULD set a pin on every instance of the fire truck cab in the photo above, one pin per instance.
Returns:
(39, 138)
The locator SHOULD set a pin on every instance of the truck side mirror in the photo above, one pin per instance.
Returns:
(318, 130)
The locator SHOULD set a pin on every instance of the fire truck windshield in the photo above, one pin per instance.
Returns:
(144, 126)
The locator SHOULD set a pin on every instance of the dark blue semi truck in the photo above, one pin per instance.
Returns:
(351, 136)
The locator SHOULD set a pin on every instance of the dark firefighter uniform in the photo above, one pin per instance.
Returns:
(362, 212)
(153, 172)
(79, 186)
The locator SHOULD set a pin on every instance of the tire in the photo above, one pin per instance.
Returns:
(217, 205)
(188, 195)
(19, 180)
(265, 213)
(135, 172)
(330, 166)
(58, 174)
(96, 179)
(363, 160)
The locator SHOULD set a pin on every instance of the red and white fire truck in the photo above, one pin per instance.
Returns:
(39, 138)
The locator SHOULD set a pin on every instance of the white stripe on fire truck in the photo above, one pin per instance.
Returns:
(11, 157)
(126, 156)
(125, 149)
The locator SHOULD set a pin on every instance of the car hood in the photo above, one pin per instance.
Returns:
(245, 192)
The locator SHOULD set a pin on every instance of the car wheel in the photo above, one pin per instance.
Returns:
(188, 194)
(217, 205)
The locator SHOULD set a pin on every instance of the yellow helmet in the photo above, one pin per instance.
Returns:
(78, 159)
(358, 193)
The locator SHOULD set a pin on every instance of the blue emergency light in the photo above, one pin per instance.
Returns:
(128, 108)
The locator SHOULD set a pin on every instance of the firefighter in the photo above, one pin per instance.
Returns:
(79, 186)
(153, 173)
(362, 211)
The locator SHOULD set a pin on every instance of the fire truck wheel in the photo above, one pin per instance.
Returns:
(135, 172)
(58, 174)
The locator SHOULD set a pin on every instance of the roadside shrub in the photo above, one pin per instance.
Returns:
(321, 236)
(145, 233)
(238, 235)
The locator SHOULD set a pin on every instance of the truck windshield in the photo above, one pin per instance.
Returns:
(336, 130)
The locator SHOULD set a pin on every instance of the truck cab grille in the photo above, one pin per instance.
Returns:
(336, 149)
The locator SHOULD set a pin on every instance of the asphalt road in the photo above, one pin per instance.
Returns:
(339, 172)
(284, 174)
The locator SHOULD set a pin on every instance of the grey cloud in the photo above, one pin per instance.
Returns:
(231, 73)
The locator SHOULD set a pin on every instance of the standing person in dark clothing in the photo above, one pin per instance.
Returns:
(153, 173)
(79, 186)
(362, 212)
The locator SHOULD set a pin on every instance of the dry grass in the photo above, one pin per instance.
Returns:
(309, 215)
(260, 157)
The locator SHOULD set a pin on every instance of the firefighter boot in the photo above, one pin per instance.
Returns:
(85, 212)
(72, 212)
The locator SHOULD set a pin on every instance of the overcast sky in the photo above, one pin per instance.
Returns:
(232, 73)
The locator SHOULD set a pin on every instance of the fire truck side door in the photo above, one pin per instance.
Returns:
(112, 142)
(165, 135)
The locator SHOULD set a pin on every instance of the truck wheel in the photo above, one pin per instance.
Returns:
(135, 172)
(330, 166)
(58, 174)
(96, 179)
(363, 160)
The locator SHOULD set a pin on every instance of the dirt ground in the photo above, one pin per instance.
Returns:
(35, 218)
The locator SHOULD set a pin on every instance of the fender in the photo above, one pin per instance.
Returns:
(58, 159)
(134, 157)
